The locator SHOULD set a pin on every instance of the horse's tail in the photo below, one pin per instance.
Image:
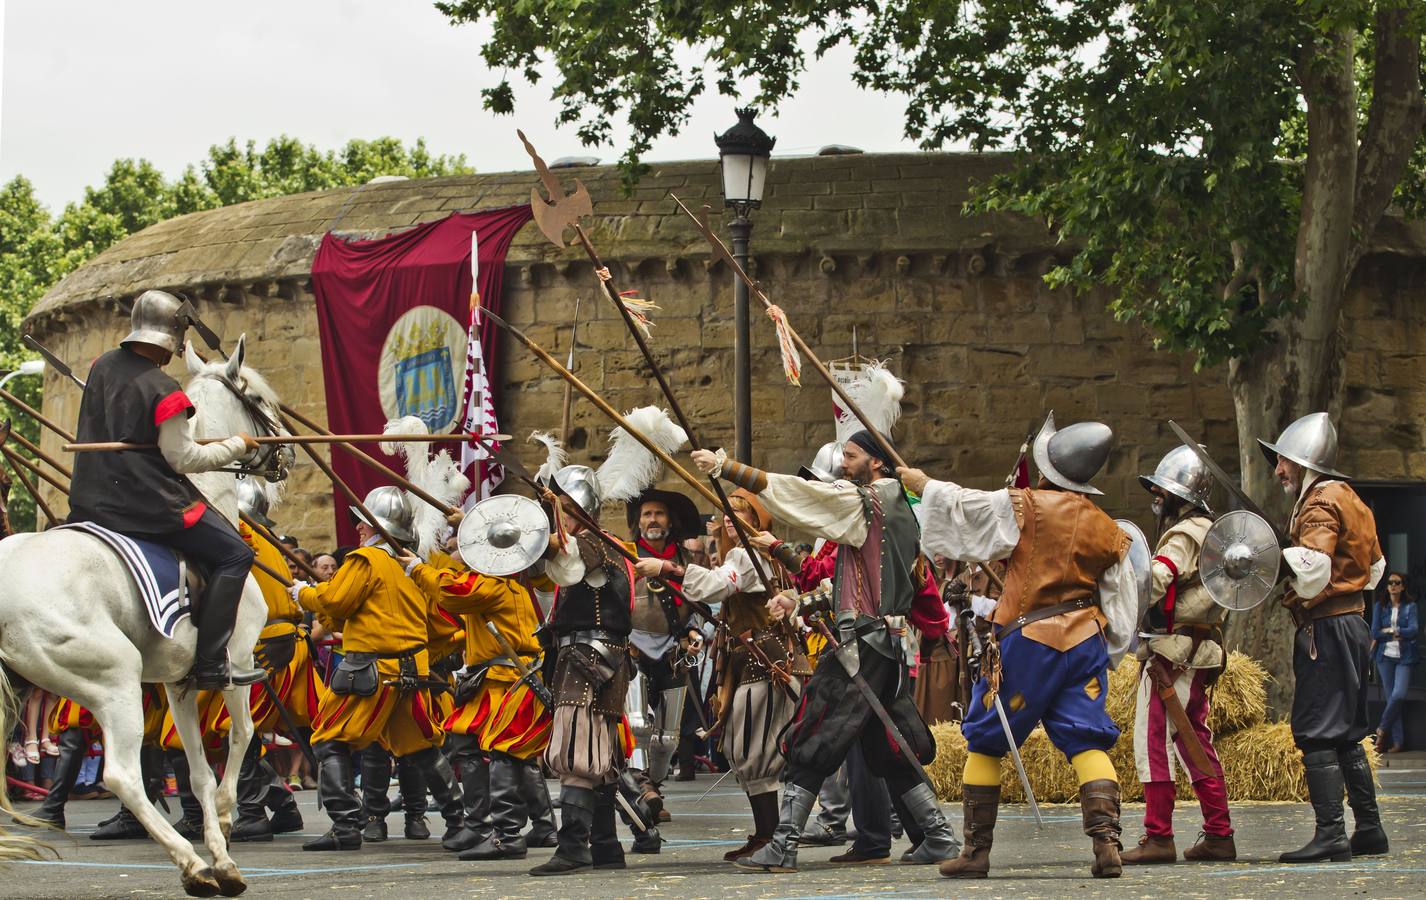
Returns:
(15, 846)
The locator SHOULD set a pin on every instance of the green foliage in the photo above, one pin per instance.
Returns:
(37, 248)
(1160, 137)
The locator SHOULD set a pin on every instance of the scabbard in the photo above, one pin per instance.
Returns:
(1163, 681)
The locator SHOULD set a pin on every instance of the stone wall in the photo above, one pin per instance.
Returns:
(871, 243)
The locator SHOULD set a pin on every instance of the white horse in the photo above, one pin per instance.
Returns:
(72, 622)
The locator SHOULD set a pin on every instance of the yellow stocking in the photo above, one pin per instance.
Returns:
(981, 770)
(1091, 765)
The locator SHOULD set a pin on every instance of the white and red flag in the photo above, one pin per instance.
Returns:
(484, 473)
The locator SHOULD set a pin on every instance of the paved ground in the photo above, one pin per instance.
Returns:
(1027, 862)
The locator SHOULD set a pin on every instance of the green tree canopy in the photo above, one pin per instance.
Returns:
(38, 248)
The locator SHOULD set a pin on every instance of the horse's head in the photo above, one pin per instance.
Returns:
(228, 397)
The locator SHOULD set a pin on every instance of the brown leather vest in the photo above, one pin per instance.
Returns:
(1066, 543)
(1332, 513)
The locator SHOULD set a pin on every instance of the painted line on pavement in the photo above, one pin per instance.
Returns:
(254, 872)
(1307, 867)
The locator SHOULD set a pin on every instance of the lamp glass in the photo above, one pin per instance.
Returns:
(738, 176)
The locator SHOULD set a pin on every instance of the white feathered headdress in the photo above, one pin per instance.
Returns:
(630, 468)
(437, 475)
(555, 456)
(877, 393)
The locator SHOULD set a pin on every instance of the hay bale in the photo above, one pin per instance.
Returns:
(1123, 690)
(1240, 698)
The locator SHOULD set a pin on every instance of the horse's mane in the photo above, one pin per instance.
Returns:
(254, 382)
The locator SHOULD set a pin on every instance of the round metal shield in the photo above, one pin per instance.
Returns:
(1240, 560)
(503, 535)
(1125, 615)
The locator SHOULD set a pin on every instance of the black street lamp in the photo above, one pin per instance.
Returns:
(743, 152)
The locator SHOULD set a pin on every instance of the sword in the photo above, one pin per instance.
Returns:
(714, 787)
(968, 616)
(55, 362)
(876, 706)
(1163, 681)
(527, 675)
(287, 722)
(1222, 478)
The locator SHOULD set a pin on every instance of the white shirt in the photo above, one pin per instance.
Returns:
(1392, 648)
(175, 442)
(736, 574)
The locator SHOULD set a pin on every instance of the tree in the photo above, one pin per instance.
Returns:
(1219, 166)
(37, 249)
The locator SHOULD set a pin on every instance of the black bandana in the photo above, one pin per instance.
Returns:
(864, 440)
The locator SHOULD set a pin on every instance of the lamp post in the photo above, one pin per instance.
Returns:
(743, 152)
(28, 367)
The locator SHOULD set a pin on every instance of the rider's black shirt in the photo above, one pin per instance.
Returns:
(127, 398)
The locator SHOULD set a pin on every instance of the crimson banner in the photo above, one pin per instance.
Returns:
(392, 315)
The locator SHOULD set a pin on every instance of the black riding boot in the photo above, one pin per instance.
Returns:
(413, 798)
(252, 825)
(124, 825)
(286, 817)
(440, 778)
(577, 806)
(190, 825)
(604, 848)
(475, 794)
(72, 750)
(1368, 837)
(335, 785)
(507, 813)
(1324, 789)
(375, 786)
(217, 613)
(538, 808)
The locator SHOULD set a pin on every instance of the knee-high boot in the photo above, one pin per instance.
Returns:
(190, 825)
(124, 825)
(438, 775)
(474, 824)
(605, 851)
(72, 750)
(538, 808)
(1324, 788)
(981, 804)
(938, 839)
(252, 824)
(1099, 806)
(375, 793)
(507, 813)
(338, 792)
(286, 817)
(577, 805)
(780, 853)
(1368, 837)
(413, 798)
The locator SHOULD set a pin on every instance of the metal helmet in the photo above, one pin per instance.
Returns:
(157, 320)
(1070, 456)
(826, 465)
(582, 485)
(1184, 475)
(253, 501)
(1311, 442)
(391, 510)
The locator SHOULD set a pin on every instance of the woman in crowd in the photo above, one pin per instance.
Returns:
(1395, 622)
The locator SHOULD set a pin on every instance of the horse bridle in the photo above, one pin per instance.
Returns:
(273, 461)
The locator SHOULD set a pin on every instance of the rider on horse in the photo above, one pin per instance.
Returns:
(144, 493)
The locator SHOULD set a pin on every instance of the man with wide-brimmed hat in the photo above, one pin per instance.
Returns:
(1334, 556)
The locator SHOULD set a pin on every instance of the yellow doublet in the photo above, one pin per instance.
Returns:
(379, 610)
(506, 721)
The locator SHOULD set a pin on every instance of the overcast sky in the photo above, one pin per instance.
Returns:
(86, 82)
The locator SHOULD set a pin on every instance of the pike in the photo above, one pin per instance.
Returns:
(302, 439)
(29, 485)
(1228, 483)
(351, 495)
(561, 211)
(968, 618)
(568, 407)
(55, 362)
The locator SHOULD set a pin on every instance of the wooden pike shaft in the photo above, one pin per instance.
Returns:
(35, 414)
(372, 462)
(303, 439)
(347, 490)
(756, 290)
(18, 463)
(42, 455)
(17, 460)
(604, 407)
(281, 548)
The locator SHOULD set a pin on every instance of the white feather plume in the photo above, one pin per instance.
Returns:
(630, 468)
(415, 455)
(443, 480)
(555, 455)
(878, 393)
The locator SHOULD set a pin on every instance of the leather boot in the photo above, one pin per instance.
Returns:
(764, 807)
(507, 813)
(981, 804)
(124, 825)
(1099, 806)
(435, 770)
(375, 793)
(217, 613)
(251, 825)
(335, 786)
(538, 808)
(779, 855)
(577, 806)
(190, 825)
(1210, 848)
(1368, 837)
(475, 794)
(938, 841)
(605, 851)
(1325, 784)
(1152, 850)
(72, 751)
(286, 817)
(413, 799)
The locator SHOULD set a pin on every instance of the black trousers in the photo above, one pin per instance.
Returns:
(833, 715)
(212, 542)
(1329, 669)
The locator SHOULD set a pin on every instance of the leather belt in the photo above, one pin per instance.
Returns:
(1047, 612)
(1341, 605)
(591, 636)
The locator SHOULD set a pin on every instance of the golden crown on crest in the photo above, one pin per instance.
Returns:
(417, 338)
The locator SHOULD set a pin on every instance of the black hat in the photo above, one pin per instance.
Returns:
(684, 521)
(871, 445)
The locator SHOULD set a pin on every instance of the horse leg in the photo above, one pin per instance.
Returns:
(120, 716)
(240, 734)
(204, 786)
